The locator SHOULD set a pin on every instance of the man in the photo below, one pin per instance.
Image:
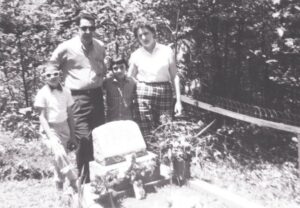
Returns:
(153, 65)
(81, 60)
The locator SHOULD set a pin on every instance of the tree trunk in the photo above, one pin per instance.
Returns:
(237, 75)
(218, 86)
(23, 70)
(226, 57)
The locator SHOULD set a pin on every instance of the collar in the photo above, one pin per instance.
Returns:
(84, 49)
(121, 81)
(58, 87)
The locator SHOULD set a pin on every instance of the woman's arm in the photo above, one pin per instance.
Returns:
(176, 83)
(132, 70)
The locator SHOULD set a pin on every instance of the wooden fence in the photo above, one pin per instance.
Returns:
(246, 118)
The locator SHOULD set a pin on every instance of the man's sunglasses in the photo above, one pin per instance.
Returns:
(85, 28)
(55, 74)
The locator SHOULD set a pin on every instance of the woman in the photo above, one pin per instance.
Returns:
(153, 66)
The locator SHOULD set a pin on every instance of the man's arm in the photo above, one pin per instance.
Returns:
(57, 55)
(103, 63)
(101, 58)
(71, 124)
(103, 68)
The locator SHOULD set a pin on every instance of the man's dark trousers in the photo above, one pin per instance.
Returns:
(88, 110)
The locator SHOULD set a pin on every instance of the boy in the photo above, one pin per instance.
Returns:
(120, 92)
(54, 105)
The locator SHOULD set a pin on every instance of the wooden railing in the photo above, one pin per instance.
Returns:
(246, 118)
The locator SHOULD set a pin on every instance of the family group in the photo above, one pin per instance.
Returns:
(82, 93)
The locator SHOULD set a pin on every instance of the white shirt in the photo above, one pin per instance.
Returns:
(56, 103)
(81, 71)
(155, 66)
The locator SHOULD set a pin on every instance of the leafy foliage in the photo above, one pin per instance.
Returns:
(243, 158)
(22, 122)
(242, 50)
(130, 173)
(20, 160)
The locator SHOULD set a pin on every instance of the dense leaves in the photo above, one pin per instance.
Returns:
(20, 160)
(244, 50)
(257, 163)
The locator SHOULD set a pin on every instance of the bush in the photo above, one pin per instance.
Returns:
(23, 122)
(21, 160)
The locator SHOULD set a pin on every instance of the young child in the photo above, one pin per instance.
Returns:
(54, 105)
(120, 92)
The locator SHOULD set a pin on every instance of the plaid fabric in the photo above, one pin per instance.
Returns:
(154, 100)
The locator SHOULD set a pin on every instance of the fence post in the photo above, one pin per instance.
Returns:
(298, 136)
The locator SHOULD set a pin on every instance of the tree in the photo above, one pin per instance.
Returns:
(238, 49)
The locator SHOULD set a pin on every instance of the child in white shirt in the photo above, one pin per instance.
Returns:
(53, 102)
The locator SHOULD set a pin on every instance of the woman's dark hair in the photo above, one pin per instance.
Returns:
(143, 24)
(87, 16)
(120, 59)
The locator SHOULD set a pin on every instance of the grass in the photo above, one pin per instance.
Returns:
(31, 193)
(271, 181)
(25, 176)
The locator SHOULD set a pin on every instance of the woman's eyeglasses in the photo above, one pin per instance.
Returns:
(55, 74)
(90, 28)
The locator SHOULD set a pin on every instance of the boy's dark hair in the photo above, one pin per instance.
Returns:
(143, 24)
(120, 59)
(87, 16)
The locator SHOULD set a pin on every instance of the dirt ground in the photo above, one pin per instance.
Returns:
(175, 197)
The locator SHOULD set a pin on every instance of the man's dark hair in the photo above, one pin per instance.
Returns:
(143, 24)
(120, 59)
(87, 16)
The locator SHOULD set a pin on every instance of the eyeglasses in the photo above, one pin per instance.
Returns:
(90, 28)
(55, 74)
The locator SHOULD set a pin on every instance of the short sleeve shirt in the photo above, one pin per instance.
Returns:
(119, 98)
(153, 67)
(55, 102)
(81, 70)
